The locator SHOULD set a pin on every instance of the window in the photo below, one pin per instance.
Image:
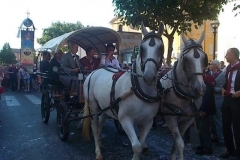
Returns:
(120, 28)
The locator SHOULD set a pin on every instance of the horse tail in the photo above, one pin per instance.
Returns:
(86, 122)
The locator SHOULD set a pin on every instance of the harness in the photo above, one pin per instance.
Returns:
(179, 92)
(176, 86)
(138, 91)
(115, 77)
(151, 43)
(113, 104)
(135, 89)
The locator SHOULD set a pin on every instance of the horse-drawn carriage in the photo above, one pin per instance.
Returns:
(58, 96)
(137, 93)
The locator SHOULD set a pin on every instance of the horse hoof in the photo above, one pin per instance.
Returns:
(146, 151)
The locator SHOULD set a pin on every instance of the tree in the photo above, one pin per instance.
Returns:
(6, 55)
(236, 8)
(58, 29)
(175, 14)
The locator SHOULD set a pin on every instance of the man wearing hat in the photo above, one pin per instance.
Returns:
(231, 105)
(219, 78)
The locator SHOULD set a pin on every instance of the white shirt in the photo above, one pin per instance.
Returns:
(114, 63)
(233, 79)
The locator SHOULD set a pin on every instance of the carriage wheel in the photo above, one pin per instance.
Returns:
(62, 128)
(45, 107)
(119, 127)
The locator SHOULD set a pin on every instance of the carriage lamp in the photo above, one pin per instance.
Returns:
(215, 24)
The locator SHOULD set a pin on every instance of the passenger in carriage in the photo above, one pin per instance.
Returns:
(44, 64)
(89, 62)
(109, 59)
(71, 65)
(56, 62)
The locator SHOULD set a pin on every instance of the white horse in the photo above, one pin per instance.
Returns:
(185, 87)
(137, 90)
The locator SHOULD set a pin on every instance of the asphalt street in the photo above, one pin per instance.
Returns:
(23, 136)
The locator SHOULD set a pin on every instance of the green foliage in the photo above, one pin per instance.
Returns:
(6, 55)
(236, 8)
(175, 14)
(58, 29)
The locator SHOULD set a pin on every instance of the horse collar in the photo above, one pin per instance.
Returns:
(178, 91)
(139, 92)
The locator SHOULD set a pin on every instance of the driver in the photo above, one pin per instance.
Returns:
(71, 65)
(45, 66)
(56, 62)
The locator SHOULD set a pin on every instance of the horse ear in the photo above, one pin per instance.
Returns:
(184, 39)
(201, 38)
(160, 28)
(144, 30)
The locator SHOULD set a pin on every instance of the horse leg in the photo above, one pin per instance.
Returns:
(102, 119)
(130, 131)
(94, 125)
(143, 132)
(182, 129)
(178, 143)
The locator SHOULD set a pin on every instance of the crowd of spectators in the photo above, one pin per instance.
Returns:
(16, 78)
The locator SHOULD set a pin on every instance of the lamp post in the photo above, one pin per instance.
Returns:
(215, 24)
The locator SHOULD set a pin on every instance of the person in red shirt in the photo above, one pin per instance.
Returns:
(89, 62)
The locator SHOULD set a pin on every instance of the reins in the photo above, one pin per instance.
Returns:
(175, 86)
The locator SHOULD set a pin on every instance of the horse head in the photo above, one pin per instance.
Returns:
(151, 54)
(193, 61)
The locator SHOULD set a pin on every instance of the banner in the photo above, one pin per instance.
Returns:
(27, 47)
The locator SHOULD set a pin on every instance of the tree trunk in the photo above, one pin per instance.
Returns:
(170, 49)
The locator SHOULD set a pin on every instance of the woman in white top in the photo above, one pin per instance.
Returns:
(109, 59)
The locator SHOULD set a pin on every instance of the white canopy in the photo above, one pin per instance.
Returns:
(96, 37)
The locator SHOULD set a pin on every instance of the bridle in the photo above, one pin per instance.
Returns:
(143, 63)
(186, 49)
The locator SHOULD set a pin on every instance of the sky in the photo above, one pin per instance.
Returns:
(228, 31)
(45, 12)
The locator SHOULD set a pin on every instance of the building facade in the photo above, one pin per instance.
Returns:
(207, 44)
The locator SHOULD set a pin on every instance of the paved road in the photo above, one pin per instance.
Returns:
(23, 136)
